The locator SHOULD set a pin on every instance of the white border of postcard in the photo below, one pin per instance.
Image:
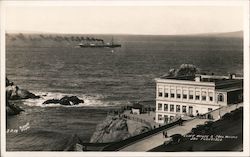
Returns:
(243, 3)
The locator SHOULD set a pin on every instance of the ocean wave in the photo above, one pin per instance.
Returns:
(89, 100)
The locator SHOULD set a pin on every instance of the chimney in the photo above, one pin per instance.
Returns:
(198, 78)
(231, 76)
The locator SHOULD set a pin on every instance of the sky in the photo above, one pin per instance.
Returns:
(156, 20)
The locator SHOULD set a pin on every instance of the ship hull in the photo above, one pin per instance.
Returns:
(100, 46)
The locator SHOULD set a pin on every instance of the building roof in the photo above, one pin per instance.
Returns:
(230, 89)
(228, 81)
(222, 83)
(184, 77)
(137, 106)
(229, 84)
(203, 78)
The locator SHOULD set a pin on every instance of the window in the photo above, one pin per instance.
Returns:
(203, 96)
(166, 92)
(190, 110)
(178, 108)
(191, 95)
(165, 107)
(165, 118)
(178, 95)
(184, 109)
(159, 117)
(160, 106)
(172, 95)
(210, 94)
(209, 109)
(197, 95)
(166, 95)
(220, 97)
(160, 92)
(171, 108)
(184, 94)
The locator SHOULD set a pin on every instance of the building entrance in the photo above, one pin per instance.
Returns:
(190, 110)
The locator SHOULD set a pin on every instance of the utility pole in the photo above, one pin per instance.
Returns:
(219, 106)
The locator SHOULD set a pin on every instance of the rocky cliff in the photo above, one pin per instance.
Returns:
(13, 92)
(183, 70)
(12, 109)
(115, 128)
(112, 129)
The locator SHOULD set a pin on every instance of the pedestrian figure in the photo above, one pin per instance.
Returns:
(166, 134)
(180, 123)
(163, 133)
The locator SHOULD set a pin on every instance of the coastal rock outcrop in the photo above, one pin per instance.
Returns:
(112, 129)
(66, 100)
(13, 92)
(183, 70)
(12, 109)
(8, 83)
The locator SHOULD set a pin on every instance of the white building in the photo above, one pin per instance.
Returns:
(189, 95)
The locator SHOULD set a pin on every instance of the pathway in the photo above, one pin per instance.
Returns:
(158, 139)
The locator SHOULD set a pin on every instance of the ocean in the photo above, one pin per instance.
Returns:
(52, 66)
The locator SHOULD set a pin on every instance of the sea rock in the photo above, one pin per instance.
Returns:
(183, 70)
(52, 101)
(70, 100)
(66, 100)
(12, 109)
(186, 69)
(112, 129)
(8, 83)
(13, 92)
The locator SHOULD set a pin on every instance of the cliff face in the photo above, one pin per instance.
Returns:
(12, 109)
(13, 92)
(112, 129)
(183, 70)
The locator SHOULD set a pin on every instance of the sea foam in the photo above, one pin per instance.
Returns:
(89, 100)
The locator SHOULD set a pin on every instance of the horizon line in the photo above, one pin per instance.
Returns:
(38, 32)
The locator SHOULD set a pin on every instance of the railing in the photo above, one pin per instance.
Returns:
(137, 119)
(88, 146)
(121, 144)
(74, 140)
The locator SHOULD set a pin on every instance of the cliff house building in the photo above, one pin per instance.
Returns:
(194, 95)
